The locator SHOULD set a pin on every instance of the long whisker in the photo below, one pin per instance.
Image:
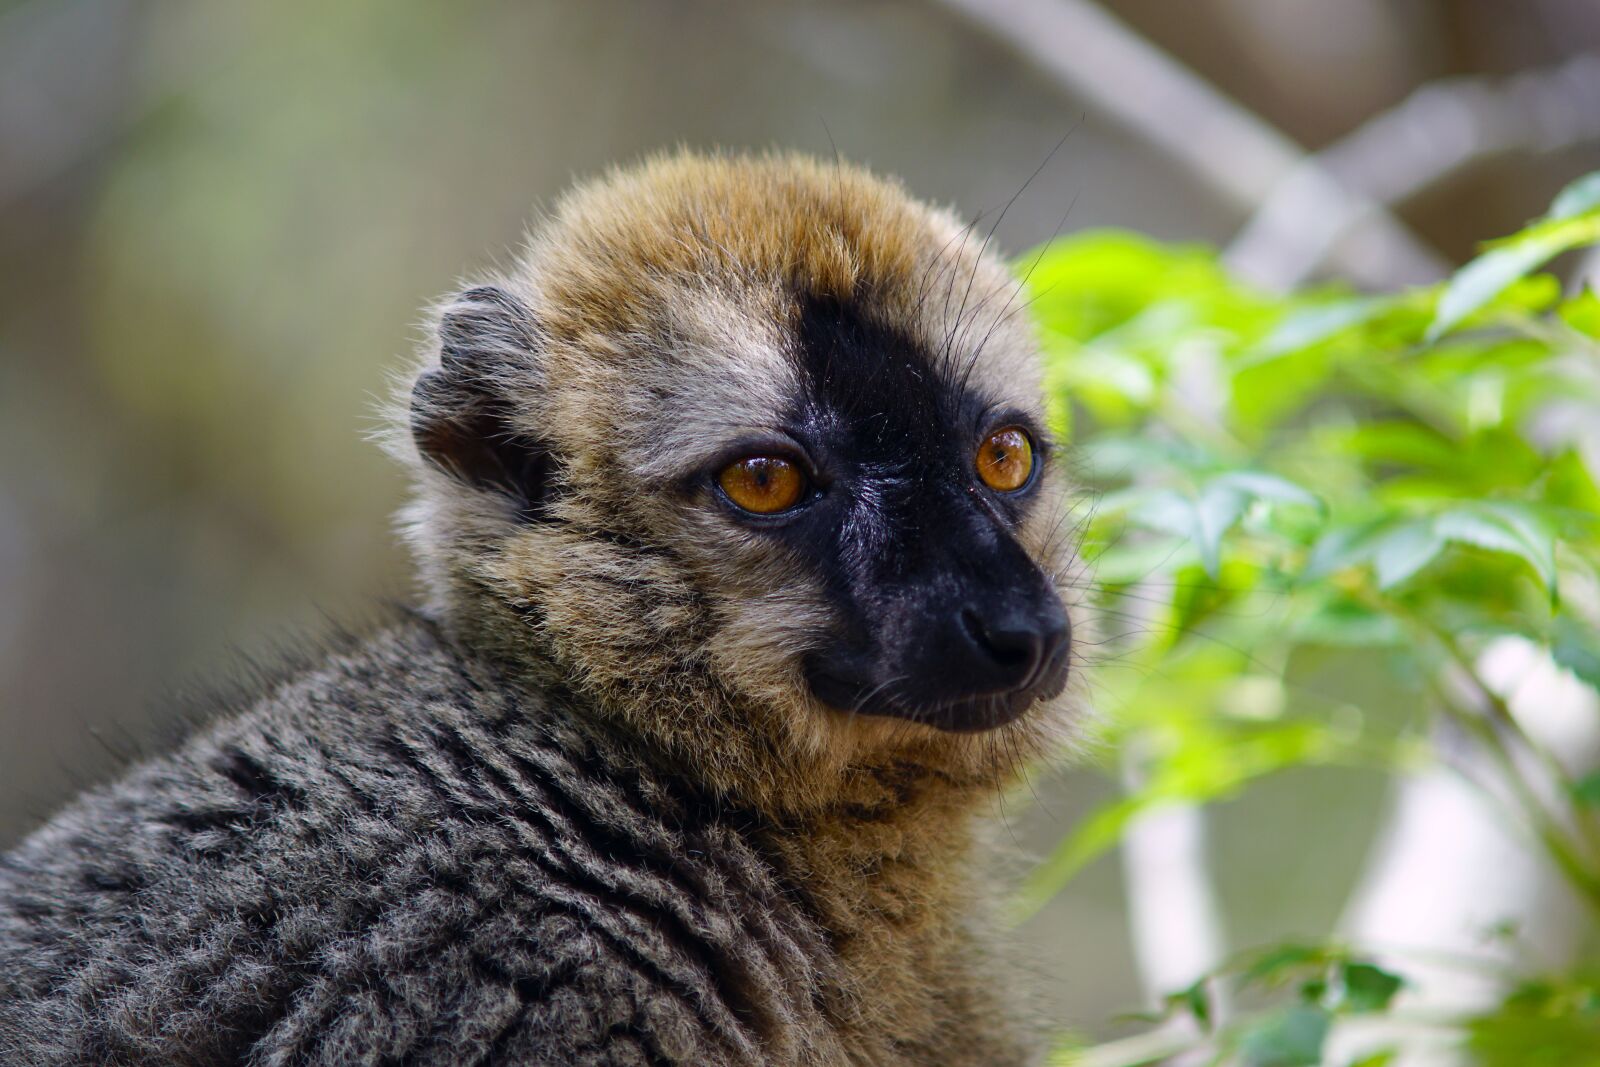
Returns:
(977, 261)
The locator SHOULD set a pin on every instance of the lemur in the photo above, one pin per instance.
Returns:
(746, 588)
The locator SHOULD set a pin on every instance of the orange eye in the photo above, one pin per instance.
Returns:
(1005, 459)
(765, 485)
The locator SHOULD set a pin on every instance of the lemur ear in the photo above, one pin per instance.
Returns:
(460, 412)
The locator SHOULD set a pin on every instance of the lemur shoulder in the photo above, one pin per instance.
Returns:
(746, 588)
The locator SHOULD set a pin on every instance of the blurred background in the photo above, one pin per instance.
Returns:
(218, 224)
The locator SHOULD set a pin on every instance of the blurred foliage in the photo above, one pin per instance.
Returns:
(1274, 474)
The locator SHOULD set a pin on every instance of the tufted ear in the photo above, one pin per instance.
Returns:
(460, 411)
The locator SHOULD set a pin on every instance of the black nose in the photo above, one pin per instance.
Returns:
(1014, 641)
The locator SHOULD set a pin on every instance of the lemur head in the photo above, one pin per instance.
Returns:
(748, 454)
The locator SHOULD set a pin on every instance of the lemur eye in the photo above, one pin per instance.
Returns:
(765, 485)
(1005, 459)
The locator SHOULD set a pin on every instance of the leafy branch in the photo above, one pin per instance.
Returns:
(1384, 476)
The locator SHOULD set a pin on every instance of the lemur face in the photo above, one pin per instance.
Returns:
(898, 486)
(759, 433)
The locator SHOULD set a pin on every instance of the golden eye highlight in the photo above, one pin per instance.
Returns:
(1005, 459)
(764, 485)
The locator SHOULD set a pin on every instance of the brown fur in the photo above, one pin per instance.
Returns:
(664, 302)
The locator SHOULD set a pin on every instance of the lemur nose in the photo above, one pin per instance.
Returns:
(1017, 640)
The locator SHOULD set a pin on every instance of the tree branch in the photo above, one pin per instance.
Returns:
(1239, 156)
(1437, 130)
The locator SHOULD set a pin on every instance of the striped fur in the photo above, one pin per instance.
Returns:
(399, 858)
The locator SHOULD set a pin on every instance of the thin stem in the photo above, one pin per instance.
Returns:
(1547, 828)
(1545, 824)
(1503, 714)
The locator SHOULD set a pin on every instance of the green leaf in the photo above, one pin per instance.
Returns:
(1290, 1038)
(1339, 548)
(1573, 220)
(1205, 518)
(1202, 520)
(1577, 648)
(1313, 325)
(1164, 509)
(1271, 965)
(1368, 988)
(1569, 485)
(1395, 441)
(1582, 313)
(1196, 999)
(1404, 550)
(1486, 277)
(1269, 487)
(1483, 279)
(1217, 509)
(1578, 197)
(1503, 527)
